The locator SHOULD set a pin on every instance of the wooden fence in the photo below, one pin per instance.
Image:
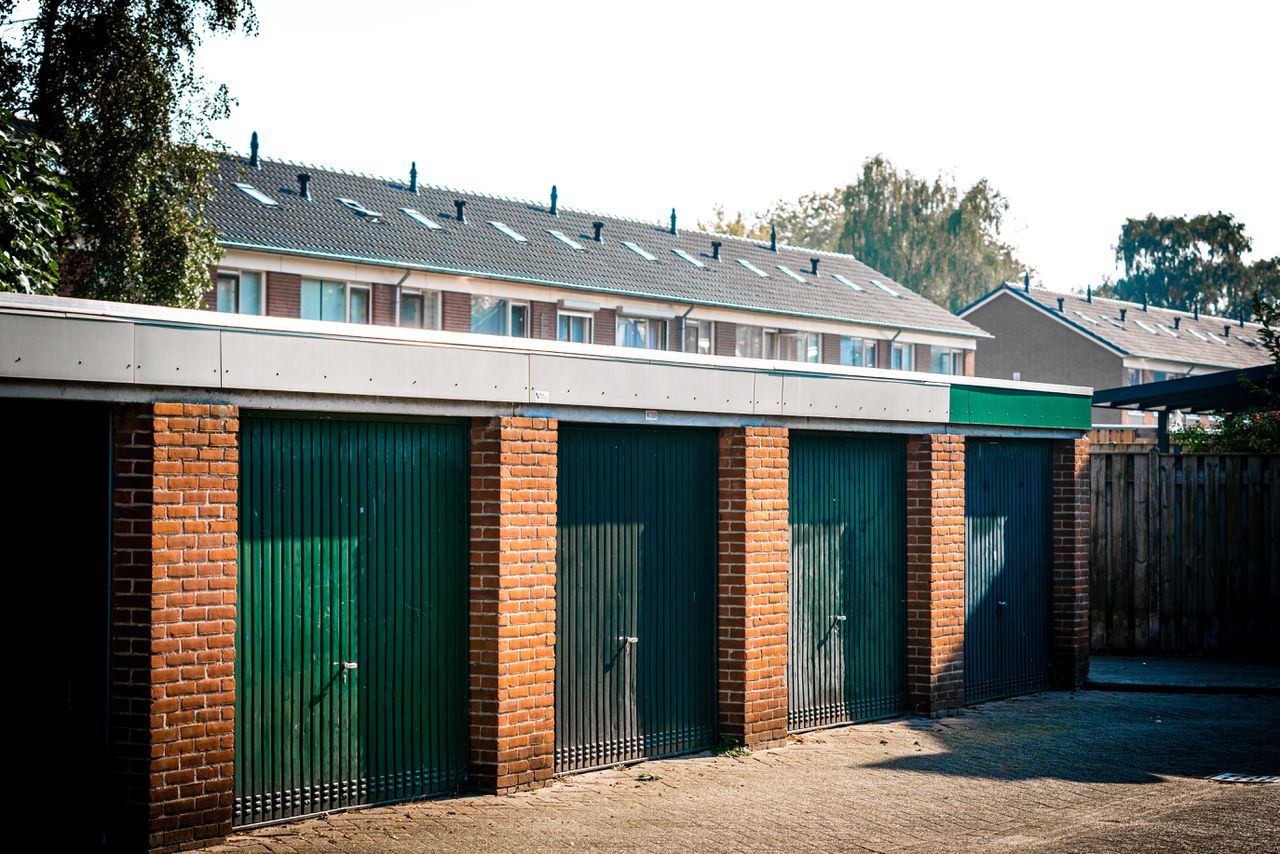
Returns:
(1185, 554)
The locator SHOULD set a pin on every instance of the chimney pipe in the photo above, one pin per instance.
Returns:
(1088, 294)
(1144, 302)
(459, 204)
(555, 199)
(1177, 323)
(673, 220)
(599, 227)
(303, 190)
(1123, 312)
(773, 238)
(413, 177)
(1026, 281)
(814, 262)
(715, 249)
(253, 151)
(1059, 303)
(1195, 310)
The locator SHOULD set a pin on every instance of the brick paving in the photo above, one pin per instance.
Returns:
(1087, 772)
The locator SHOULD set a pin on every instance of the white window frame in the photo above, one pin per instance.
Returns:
(346, 296)
(700, 324)
(588, 316)
(908, 352)
(421, 292)
(368, 289)
(238, 272)
(619, 319)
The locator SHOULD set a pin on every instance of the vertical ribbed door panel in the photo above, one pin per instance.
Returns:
(848, 641)
(1008, 578)
(351, 673)
(635, 594)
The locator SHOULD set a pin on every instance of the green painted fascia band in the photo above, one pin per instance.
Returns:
(1020, 408)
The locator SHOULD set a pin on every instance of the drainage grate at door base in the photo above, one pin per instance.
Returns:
(1244, 778)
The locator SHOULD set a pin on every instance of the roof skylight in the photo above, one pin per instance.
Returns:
(254, 193)
(1167, 331)
(1087, 317)
(842, 280)
(638, 250)
(1198, 335)
(565, 239)
(792, 273)
(422, 218)
(360, 209)
(753, 268)
(888, 290)
(1148, 328)
(508, 231)
(686, 256)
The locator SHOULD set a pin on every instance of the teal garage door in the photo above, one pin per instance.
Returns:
(635, 594)
(848, 581)
(351, 669)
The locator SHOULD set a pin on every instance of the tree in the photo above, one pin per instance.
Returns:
(34, 210)
(113, 85)
(1180, 262)
(926, 234)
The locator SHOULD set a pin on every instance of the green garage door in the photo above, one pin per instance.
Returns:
(351, 661)
(635, 594)
(848, 581)
(1008, 568)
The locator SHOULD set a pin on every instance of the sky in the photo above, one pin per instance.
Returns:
(1082, 114)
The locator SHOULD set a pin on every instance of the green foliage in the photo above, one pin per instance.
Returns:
(727, 746)
(927, 234)
(1180, 262)
(736, 227)
(113, 84)
(34, 210)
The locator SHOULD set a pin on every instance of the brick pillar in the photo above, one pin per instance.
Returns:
(173, 620)
(513, 608)
(935, 573)
(1070, 562)
(754, 549)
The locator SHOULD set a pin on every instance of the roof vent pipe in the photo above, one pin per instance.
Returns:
(1123, 312)
(673, 220)
(599, 227)
(773, 238)
(459, 204)
(1088, 294)
(555, 201)
(715, 249)
(1195, 311)
(1144, 302)
(253, 152)
(304, 180)
(1026, 280)
(1226, 330)
(1177, 323)
(814, 263)
(1059, 303)
(413, 177)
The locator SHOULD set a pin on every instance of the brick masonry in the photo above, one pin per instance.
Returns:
(513, 616)
(935, 573)
(173, 614)
(384, 305)
(455, 311)
(830, 349)
(1070, 647)
(754, 556)
(284, 295)
(604, 328)
(726, 338)
(543, 318)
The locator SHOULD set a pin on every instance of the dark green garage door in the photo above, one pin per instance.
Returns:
(352, 636)
(635, 594)
(848, 588)
(1008, 568)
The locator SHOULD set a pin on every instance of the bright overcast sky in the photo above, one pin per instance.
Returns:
(1081, 115)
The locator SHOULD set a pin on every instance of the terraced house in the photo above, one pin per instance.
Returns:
(321, 244)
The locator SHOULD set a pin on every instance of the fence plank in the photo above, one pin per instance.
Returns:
(1099, 562)
(1141, 549)
(1212, 545)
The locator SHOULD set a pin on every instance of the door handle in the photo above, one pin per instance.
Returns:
(1001, 603)
(627, 639)
(347, 667)
(839, 618)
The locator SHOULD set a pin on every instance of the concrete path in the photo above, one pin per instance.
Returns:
(1188, 673)
(1082, 772)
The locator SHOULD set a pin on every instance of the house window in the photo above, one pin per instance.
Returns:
(1133, 377)
(574, 327)
(239, 293)
(698, 336)
(901, 357)
(797, 346)
(852, 351)
(642, 332)
(358, 299)
(948, 361)
(322, 300)
(749, 342)
(420, 309)
(494, 316)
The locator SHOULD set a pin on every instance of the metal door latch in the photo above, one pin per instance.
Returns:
(347, 667)
(628, 639)
(1001, 603)
(839, 618)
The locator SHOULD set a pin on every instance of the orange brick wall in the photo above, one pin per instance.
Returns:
(935, 573)
(754, 556)
(1070, 648)
(513, 616)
